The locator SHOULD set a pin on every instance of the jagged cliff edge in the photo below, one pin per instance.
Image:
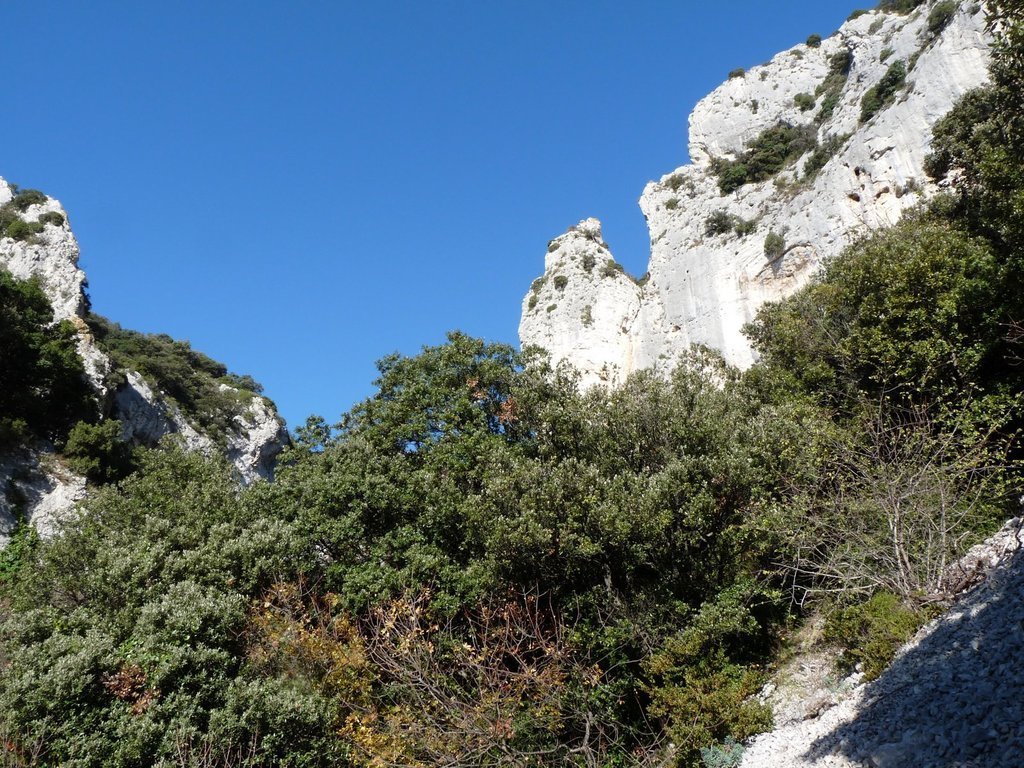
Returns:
(703, 287)
(34, 483)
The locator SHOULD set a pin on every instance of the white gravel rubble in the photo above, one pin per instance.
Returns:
(953, 697)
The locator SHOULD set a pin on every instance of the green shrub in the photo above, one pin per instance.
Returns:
(552, 246)
(856, 14)
(538, 283)
(55, 218)
(765, 155)
(899, 6)
(18, 554)
(940, 15)
(822, 154)
(587, 316)
(674, 182)
(98, 452)
(805, 101)
(589, 262)
(532, 302)
(910, 312)
(27, 197)
(871, 632)
(774, 245)
(728, 754)
(754, 105)
(880, 95)
(19, 229)
(885, 54)
(43, 389)
(738, 72)
(744, 227)
(672, 203)
(612, 268)
(719, 222)
(814, 41)
(831, 88)
(551, 307)
(560, 282)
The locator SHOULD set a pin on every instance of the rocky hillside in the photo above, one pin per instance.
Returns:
(790, 162)
(122, 368)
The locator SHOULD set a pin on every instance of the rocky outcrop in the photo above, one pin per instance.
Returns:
(33, 485)
(706, 281)
(51, 256)
(252, 445)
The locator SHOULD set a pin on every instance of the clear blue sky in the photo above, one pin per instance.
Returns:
(299, 188)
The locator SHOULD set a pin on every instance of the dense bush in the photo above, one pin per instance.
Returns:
(765, 155)
(881, 94)
(97, 451)
(718, 223)
(822, 153)
(899, 6)
(911, 312)
(774, 246)
(55, 218)
(804, 101)
(125, 644)
(814, 41)
(940, 15)
(43, 390)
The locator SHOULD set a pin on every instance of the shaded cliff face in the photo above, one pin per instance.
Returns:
(717, 256)
(33, 481)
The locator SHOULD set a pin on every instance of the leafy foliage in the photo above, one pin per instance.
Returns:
(822, 153)
(97, 451)
(940, 15)
(774, 246)
(43, 390)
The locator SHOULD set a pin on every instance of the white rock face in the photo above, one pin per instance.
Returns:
(35, 484)
(260, 435)
(252, 446)
(146, 418)
(703, 288)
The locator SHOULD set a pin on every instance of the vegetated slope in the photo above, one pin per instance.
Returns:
(81, 384)
(791, 161)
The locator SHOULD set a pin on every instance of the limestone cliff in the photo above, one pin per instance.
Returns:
(712, 262)
(33, 482)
